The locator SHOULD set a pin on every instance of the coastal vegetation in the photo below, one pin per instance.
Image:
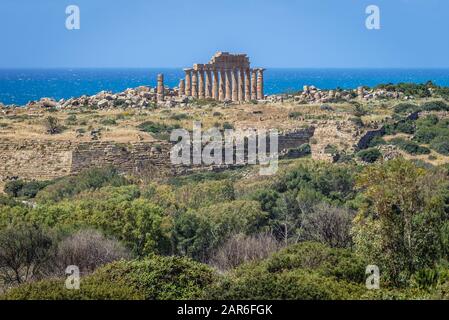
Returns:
(312, 229)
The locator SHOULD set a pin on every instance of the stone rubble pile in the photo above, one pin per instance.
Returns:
(148, 97)
(140, 97)
(312, 94)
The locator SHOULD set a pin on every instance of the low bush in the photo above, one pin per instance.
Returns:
(155, 278)
(405, 108)
(369, 155)
(410, 147)
(435, 106)
(198, 233)
(90, 179)
(21, 188)
(52, 125)
(376, 141)
(158, 130)
(255, 282)
(441, 145)
(306, 271)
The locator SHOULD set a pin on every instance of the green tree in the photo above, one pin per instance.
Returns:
(401, 224)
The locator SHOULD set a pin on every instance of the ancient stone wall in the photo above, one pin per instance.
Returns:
(149, 158)
(35, 160)
(44, 160)
(295, 139)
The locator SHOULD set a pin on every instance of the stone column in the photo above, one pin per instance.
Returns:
(160, 87)
(222, 87)
(188, 82)
(253, 84)
(235, 86)
(201, 87)
(247, 85)
(242, 85)
(228, 95)
(182, 88)
(215, 86)
(208, 83)
(195, 84)
(260, 93)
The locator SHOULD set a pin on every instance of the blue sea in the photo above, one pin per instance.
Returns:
(18, 86)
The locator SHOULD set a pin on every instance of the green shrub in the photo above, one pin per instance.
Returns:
(425, 135)
(20, 188)
(52, 125)
(139, 224)
(376, 141)
(335, 182)
(7, 201)
(301, 151)
(71, 119)
(205, 193)
(441, 145)
(405, 108)
(158, 130)
(256, 283)
(357, 121)
(295, 114)
(159, 278)
(198, 233)
(306, 271)
(330, 149)
(12, 188)
(409, 89)
(89, 179)
(54, 289)
(341, 264)
(405, 127)
(179, 116)
(369, 155)
(108, 122)
(410, 147)
(227, 126)
(155, 278)
(435, 106)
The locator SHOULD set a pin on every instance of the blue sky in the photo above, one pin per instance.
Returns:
(176, 33)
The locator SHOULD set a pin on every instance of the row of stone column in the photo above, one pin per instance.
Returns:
(223, 85)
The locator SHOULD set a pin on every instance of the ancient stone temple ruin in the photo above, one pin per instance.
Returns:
(227, 77)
